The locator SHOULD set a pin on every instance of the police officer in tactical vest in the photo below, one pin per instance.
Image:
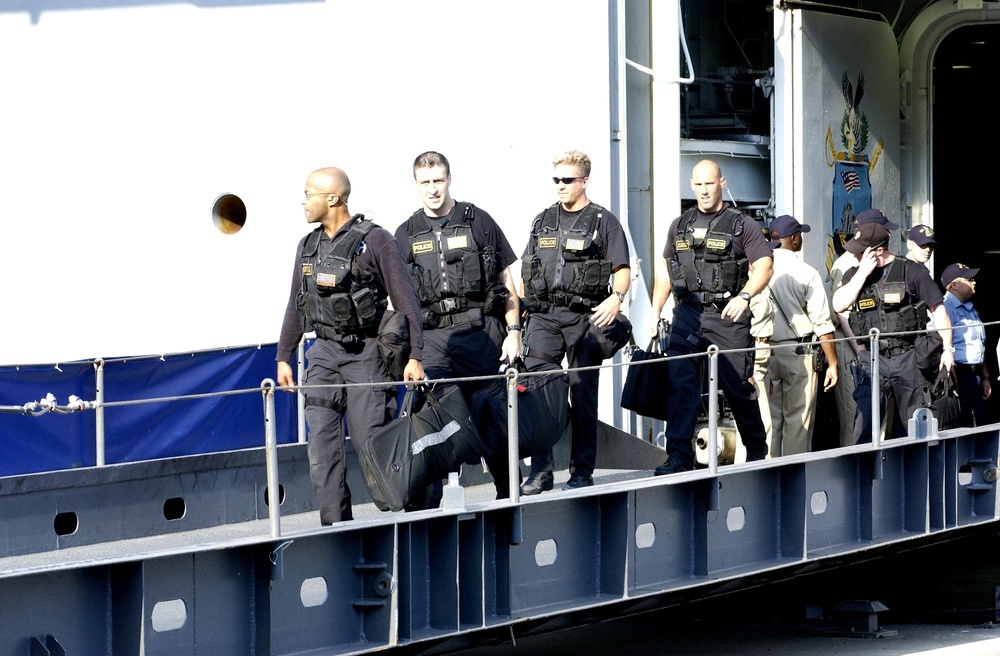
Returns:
(459, 262)
(345, 272)
(715, 260)
(574, 277)
(892, 294)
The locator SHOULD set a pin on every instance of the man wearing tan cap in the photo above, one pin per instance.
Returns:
(802, 325)
(893, 295)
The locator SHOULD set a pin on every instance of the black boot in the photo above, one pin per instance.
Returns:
(537, 483)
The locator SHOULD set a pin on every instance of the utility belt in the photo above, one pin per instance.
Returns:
(706, 298)
(574, 302)
(451, 305)
(892, 347)
(432, 320)
(345, 339)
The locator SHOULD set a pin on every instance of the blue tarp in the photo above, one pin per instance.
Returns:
(140, 430)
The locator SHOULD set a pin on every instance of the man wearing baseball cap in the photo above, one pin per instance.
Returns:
(920, 243)
(801, 318)
(893, 295)
(845, 389)
(971, 375)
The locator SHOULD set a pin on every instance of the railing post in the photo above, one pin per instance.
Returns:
(713, 409)
(99, 410)
(513, 444)
(876, 388)
(271, 455)
(300, 396)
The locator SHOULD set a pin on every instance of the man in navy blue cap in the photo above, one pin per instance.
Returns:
(893, 295)
(971, 375)
(920, 243)
(845, 389)
(801, 319)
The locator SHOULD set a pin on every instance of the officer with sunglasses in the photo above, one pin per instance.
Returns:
(574, 277)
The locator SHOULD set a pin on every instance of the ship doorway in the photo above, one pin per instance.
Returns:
(962, 135)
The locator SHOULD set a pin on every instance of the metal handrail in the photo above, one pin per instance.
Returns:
(512, 377)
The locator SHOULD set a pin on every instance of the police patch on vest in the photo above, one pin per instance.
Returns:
(892, 297)
(307, 269)
(326, 280)
(681, 245)
(574, 244)
(866, 304)
(461, 241)
(716, 244)
(547, 242)
(423, 247)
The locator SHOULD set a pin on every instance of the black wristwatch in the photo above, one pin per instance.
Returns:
(514, 326)
(745, 296)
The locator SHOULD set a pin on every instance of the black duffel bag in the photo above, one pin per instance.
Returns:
(402, 458)
(645, 389)
(542, 417)
(943, 400)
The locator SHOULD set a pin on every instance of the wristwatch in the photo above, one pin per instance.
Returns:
(745, 296)
(621, 297)
(513, 327)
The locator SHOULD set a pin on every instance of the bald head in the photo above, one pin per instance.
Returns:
(706, 168)
(707, 184)
(332, 180)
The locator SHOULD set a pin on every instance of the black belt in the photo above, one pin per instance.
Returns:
(797, 340)
(976, 369)
(574, 302)
(894, 350)
(541, 355)
(473, 316)
(450, 305)
(707, 298)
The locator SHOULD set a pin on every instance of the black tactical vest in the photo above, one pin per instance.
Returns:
(707, 261)
(450, 272)
(567, 268)
(337, 297)
(888, 306)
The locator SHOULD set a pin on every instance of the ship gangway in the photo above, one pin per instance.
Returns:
(190, 555)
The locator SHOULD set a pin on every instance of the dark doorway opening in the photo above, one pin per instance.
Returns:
(963, 131)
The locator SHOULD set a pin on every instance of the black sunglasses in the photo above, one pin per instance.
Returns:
(565, 180)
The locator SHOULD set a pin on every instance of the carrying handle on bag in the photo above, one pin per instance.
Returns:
(435, 406)
(943, 382)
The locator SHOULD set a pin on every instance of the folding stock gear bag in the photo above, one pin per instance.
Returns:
(542, 417)
(403, 457)
(645, 389)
